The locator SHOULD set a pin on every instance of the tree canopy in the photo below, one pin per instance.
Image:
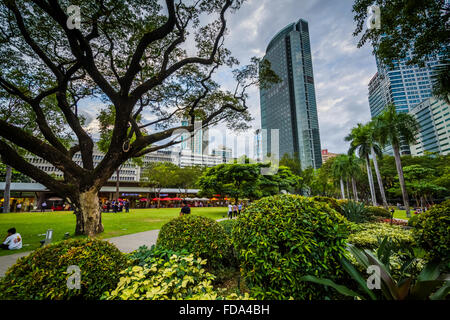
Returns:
(140, 57)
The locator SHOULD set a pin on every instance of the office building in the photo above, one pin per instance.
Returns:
(433, 116)
(290, 106)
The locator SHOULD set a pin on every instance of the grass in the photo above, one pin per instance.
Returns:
(32, 226)
(401, 214)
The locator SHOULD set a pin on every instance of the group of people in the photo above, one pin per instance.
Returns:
(234, 210)
(116, 206)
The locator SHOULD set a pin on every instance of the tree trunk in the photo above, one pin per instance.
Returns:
(380, 181)
(346, 185)
(88, 213)
(159, 197)
(342, 189)
(401, 178)
(355, 190)
(7, 195)
(117, 183)
(371, 184)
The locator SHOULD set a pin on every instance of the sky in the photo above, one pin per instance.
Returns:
(341, 70)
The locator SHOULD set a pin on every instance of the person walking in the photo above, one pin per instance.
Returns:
(43, 206)
(239, 208)
(230, 211)
(127, 206)
(235, 210)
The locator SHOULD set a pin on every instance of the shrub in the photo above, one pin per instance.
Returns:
(201, 236)
(432, 231)
(279, 239)
(175, 277)
(181, 277)
(378, 212)
(412, 221)
(333, 203)
(227, 225)
(371, 234)
(355, 212)
(397, 222)
(144, 255)
(43, 273)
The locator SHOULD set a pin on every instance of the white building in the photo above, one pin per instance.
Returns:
(433, 116)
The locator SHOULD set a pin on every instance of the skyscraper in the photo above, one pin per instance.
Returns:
(433, 116)
(403, 85)
(290, 105)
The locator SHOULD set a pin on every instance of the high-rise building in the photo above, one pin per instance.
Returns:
(403, 85)
(197, 141)
(223, 152)
(257, 151)
(433, 116)
(290, 106)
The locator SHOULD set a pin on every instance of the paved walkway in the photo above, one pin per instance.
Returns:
(126, 244)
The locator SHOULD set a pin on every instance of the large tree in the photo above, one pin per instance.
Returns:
(140, 57)
(392, 128)
(362, 138)
(418, 27)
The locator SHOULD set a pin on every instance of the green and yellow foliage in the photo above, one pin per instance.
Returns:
(200, 236)
(368, 235)
(432, 231)
(43, 273)
(282, 238)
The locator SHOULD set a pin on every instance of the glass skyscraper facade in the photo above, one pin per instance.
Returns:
(403, 85)
(290, 106)
(433, 116)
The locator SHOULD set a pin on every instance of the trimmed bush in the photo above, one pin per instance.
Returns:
(432, 231)
(332, 202)
(167, 278)
(378, 212)
(227, 226)
(43, 273)
(201, 236)
(412, 221)
(181, 277)
(144, 255)
(370, 234)
(279, 239)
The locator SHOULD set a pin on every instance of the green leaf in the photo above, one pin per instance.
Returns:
(327, 282)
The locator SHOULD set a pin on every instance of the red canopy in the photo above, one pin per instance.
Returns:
(143, 199)
(177, 199)
(155, 199)
(166, 199)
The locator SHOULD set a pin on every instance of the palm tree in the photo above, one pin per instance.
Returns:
(395, 128)
(339, 170)
(354, 168)
(359, 138)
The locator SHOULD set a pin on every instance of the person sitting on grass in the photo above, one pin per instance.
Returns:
(185, 209)
(13, 240)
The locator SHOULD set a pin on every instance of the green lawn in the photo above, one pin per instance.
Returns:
(32, 225)
(401, 214)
